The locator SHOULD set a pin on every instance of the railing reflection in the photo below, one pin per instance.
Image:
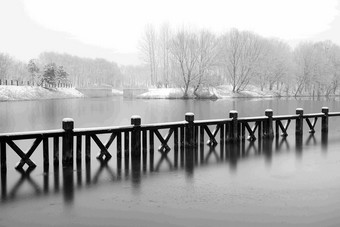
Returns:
(180, 158)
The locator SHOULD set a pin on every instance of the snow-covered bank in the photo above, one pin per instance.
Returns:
(116, 92)
(218, 92)
(8, 93)
(162, 93)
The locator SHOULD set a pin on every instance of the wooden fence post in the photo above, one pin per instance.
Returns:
(135, 136)
(324, 121)
(189, 129)
(268, 124)
(3, 155)
(299, 122)
(68, 125)
(234, 135)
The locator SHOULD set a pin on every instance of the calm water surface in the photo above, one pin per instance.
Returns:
(283, 182)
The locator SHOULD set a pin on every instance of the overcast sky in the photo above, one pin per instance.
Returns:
(111, 29)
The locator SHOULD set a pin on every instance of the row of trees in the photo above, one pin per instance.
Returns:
(85, 71)
(11, 68)
(197, 59)
(53, 68)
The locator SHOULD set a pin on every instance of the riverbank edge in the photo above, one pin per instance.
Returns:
(26, 93)
(221, 92)
(22, 93)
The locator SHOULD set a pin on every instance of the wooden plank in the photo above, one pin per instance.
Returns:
(259, 129)
(243, 130)
(78, 148)
(285, 117)
(126, 144)
(102, 130)
(211, 122)
(144, 142)
(202, 134)
(196, 135)
(3, 155)
(221, 127)
(110, 140)
(212, 141)
(182, 136)
(151, 140)
(119, 145)
(30, 135)
(45, 152)
(251, 119)
(176, 138)
(103, 149)
(56, 150)
(87, 147)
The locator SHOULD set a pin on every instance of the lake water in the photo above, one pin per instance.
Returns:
(283, 182)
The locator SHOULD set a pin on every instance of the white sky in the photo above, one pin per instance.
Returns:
(82, 27)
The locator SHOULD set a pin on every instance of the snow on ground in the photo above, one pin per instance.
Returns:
(30, 93)
(8, 93)
(116, 92)
(162, 93)
(224, 91)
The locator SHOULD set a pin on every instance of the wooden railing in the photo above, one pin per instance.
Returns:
(141, 138)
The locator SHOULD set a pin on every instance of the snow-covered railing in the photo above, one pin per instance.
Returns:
(138, 139)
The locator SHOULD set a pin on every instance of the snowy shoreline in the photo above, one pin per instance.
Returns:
(220, 92)
(20, 93)
(17, 93)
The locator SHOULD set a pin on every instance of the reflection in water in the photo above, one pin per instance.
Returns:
(188, 159)
(279, 143)
(324, 141)
(103, 165)
(68, 185)
(24, 177)
(298, 145)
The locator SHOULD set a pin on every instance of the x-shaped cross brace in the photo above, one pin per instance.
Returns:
(103, 165)
(311, 125)
(311, 138)
(163, 157)
(25, 157)
(250, 146)
(103, 149)
(280, 144)
(164, 141)
(251, 131)
(212, 141)
(25, 176)
(283, 128)
(211, 151)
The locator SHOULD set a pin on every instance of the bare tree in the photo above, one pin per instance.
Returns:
(242, 51)
(275, 66)
(148, 51)
(5, 62)
(184, 51)
(207, 51)
(317, 67)
(164, 53)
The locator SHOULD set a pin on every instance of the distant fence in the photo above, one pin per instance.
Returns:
(140, 138)
(32, 83)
